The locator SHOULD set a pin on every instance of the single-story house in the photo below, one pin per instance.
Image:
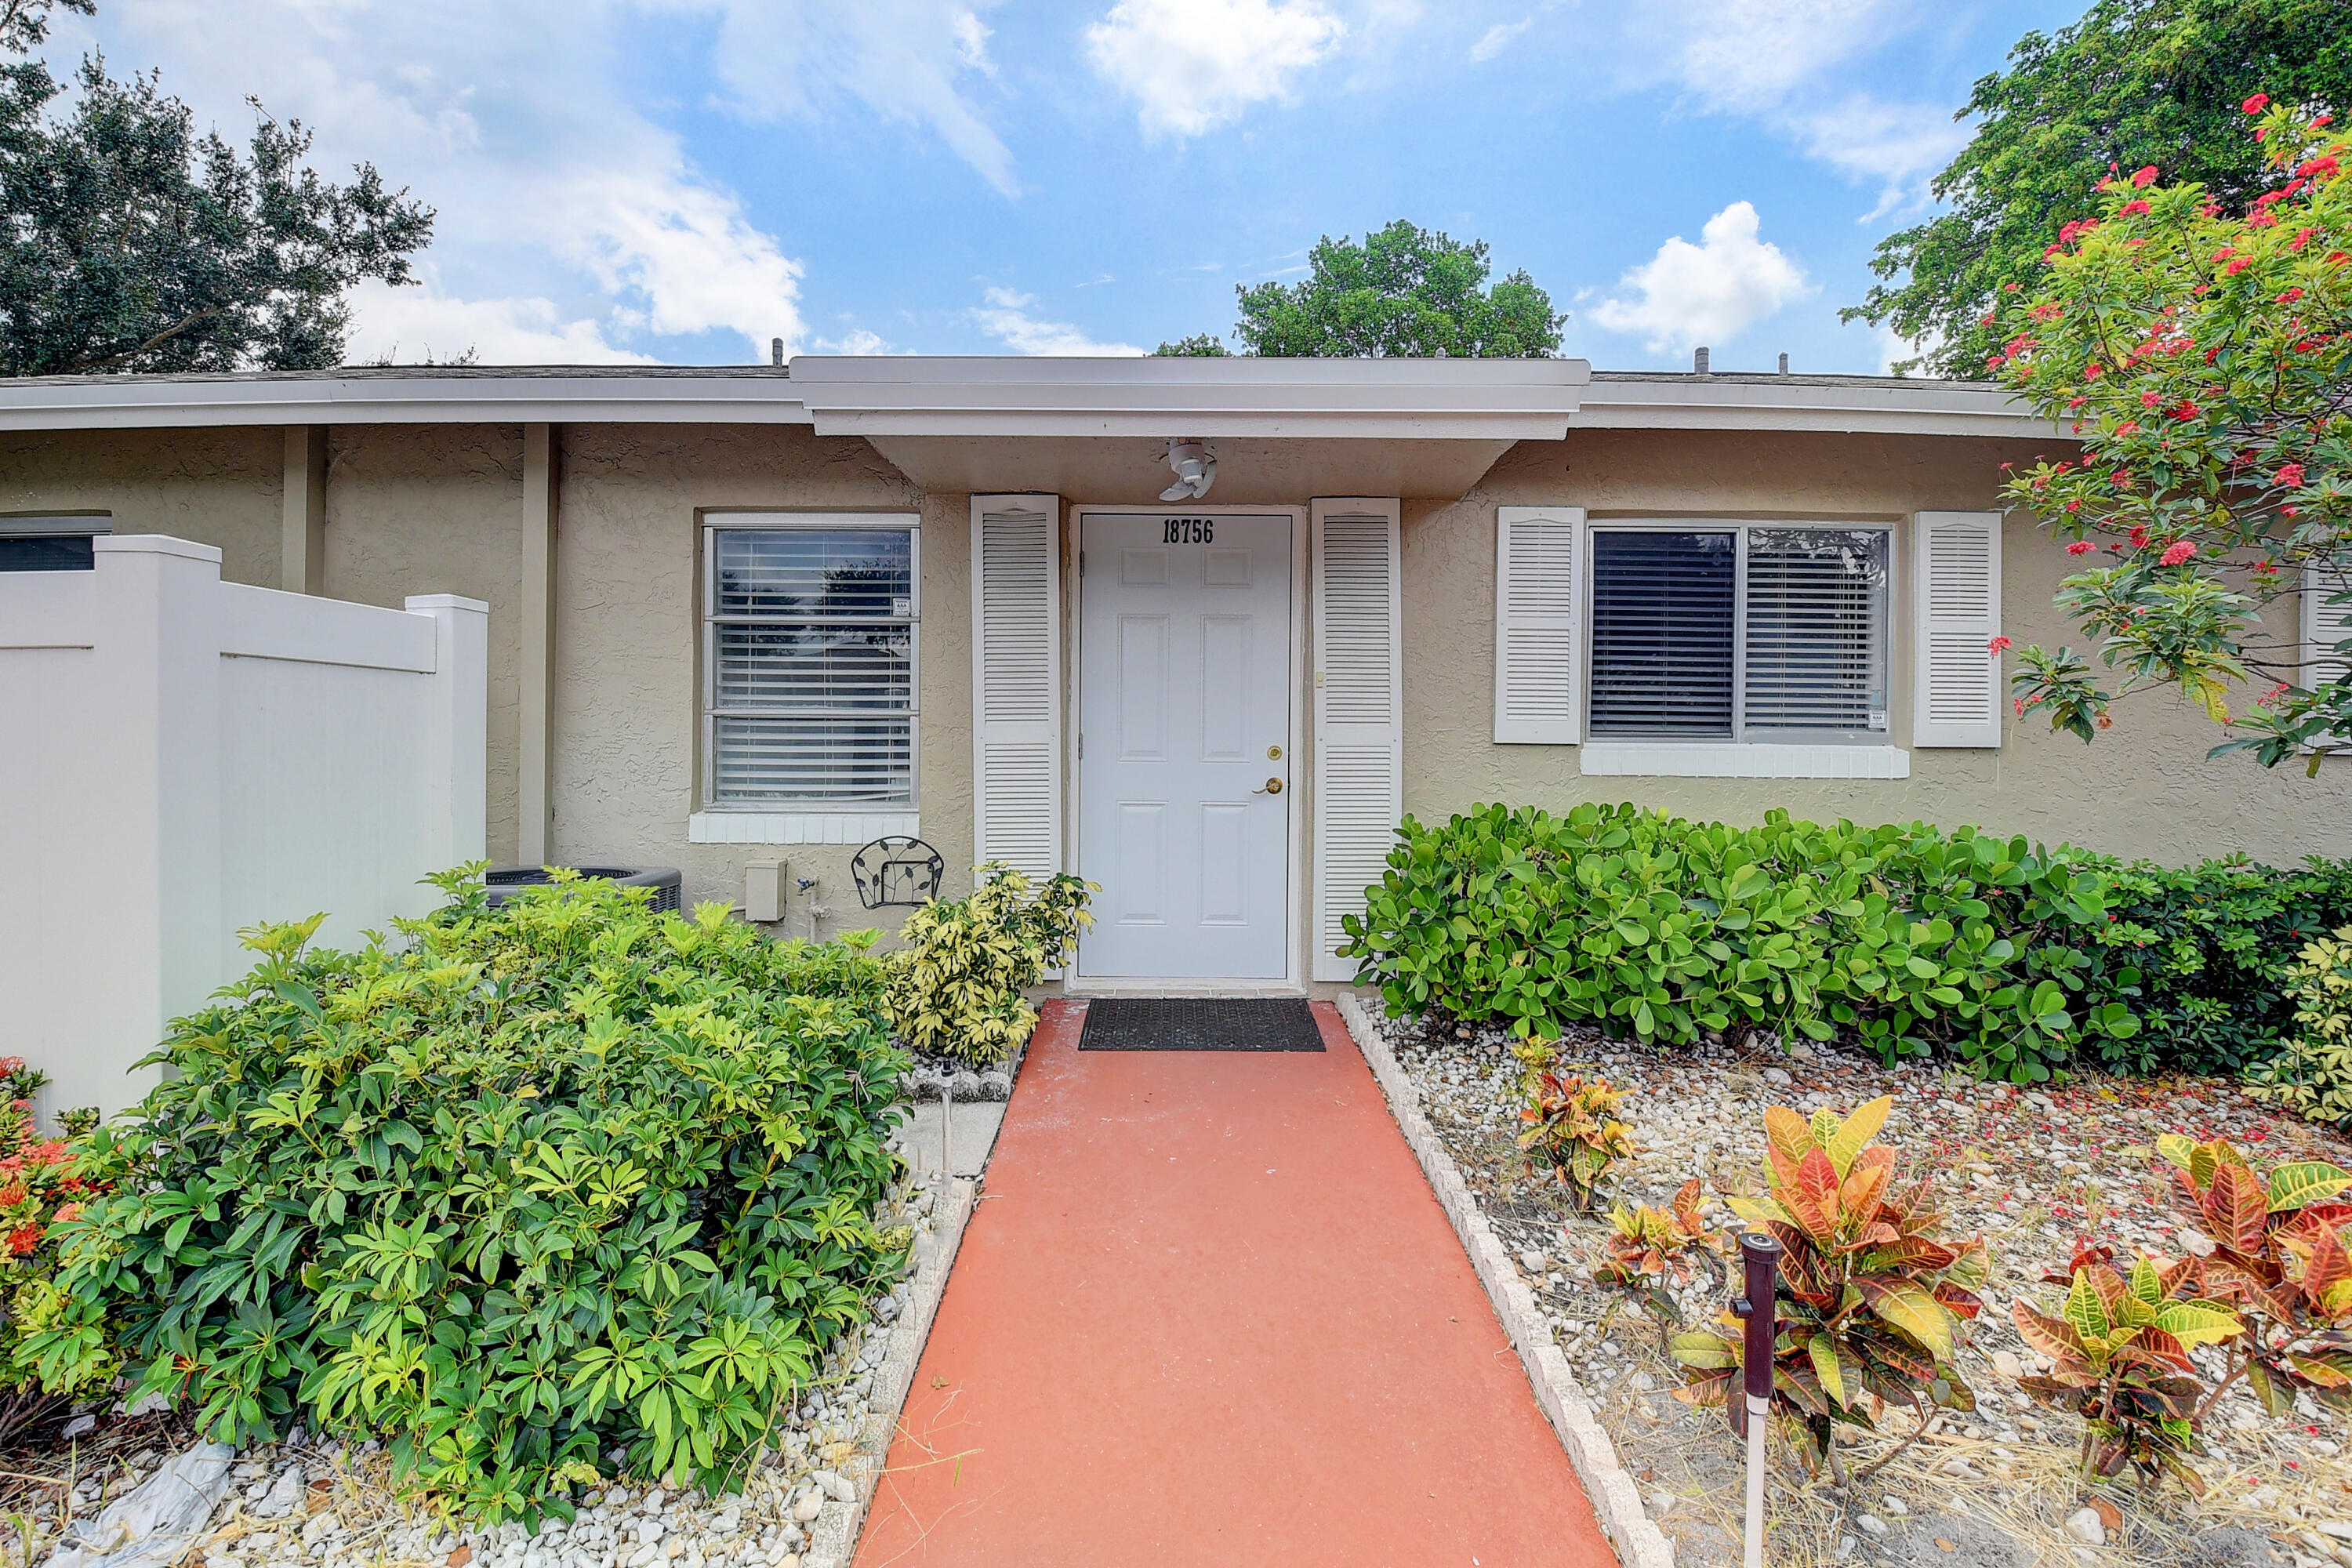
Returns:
(747, 614)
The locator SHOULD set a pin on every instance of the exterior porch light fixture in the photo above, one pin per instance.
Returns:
(1196, 470)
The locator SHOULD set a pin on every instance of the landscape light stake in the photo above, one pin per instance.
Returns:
(1750, 1416)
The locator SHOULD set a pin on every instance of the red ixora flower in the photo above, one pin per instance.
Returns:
(22, 1239)
(2081, 547)
(2131, 209)
(2143, 178)
(2255, 104)
(1998, 645)
(2139, 536)
(2179, 551)
(2290, 297)
(2289, 475)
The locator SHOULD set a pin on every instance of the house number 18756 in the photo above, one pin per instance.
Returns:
(1188, 530)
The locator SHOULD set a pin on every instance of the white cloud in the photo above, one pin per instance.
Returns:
(1893, 346)
(1007, 319)
(571, 224)
(1194, 65)
(1753, 54)
(904, 59)
(1783, 62)
(1706, 293)
(1900, 146)
(856, 341)
(1492, 42)
(410, 326)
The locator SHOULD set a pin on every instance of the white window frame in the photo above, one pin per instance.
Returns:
(1851, 753)
(810, 822)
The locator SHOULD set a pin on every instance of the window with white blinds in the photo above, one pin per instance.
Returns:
(1815, 631)
(1738, 633)
(809, 658)
(1664, 606)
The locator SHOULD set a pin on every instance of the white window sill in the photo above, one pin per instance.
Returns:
(1734, 760)
(800, 827)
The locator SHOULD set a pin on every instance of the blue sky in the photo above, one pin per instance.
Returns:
(682, 180)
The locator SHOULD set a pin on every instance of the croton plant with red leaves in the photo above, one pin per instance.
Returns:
(2281, 1257)
(1871, 1294)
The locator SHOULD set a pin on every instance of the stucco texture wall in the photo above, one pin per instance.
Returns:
(221, 487)
(628, 711)
(2144, 789)
(438, 509)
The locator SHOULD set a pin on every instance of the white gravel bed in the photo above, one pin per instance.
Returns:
(309, 1503)
(2029, 1168)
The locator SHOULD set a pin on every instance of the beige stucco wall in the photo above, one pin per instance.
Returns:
(217, 487)
(2145, 788)
(628, 707)
(438, 509)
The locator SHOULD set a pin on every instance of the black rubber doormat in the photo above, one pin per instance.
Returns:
(1200, 1023)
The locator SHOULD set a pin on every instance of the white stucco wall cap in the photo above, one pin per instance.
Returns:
(1154, 396)
(406, 394)
(1484, 400)
(1910, 406)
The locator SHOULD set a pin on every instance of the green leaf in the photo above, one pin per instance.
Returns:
(1916, 1311)
(2305, 1183)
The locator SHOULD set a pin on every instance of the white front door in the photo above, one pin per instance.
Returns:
(1184, 744)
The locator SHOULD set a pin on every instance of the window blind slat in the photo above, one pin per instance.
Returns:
(1815, 655)
(1662, 633)
(814, 667)
(812, 693)
(832, 572)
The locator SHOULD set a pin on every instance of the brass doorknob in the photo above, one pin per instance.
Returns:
(1273, 786)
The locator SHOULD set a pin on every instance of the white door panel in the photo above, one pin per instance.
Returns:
(1184, 719)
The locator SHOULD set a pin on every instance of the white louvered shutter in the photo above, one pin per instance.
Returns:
(1016, 678)
(1537, 561)
(1956, 606)
(2325, 626)
(1358, 712)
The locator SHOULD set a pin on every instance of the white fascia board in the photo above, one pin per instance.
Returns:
(1889, 404)
(144, 403)
(1387, 399)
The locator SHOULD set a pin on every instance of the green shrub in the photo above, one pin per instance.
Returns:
(2312, 1076)
(41, 1186)
(554, 1180)
(1661, 929)
(955, 988)
(2212, 944)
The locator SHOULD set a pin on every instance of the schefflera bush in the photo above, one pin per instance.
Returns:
(1660, 929)
(542, 1183)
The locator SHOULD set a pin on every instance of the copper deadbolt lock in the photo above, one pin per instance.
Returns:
(1274, 753)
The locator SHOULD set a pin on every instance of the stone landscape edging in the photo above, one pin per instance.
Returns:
(1616, 1500)
(833, 1540)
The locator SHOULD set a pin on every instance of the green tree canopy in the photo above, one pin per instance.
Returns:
(1405, 292)
(2134, 83)
(134, 244)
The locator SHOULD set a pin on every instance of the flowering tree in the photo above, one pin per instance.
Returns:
(2204, 358)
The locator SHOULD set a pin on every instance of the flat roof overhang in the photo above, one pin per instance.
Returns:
(1091, 428)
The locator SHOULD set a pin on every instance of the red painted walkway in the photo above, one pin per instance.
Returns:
(1209, 1312)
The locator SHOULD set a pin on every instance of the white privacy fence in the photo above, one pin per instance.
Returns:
(181, 757)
